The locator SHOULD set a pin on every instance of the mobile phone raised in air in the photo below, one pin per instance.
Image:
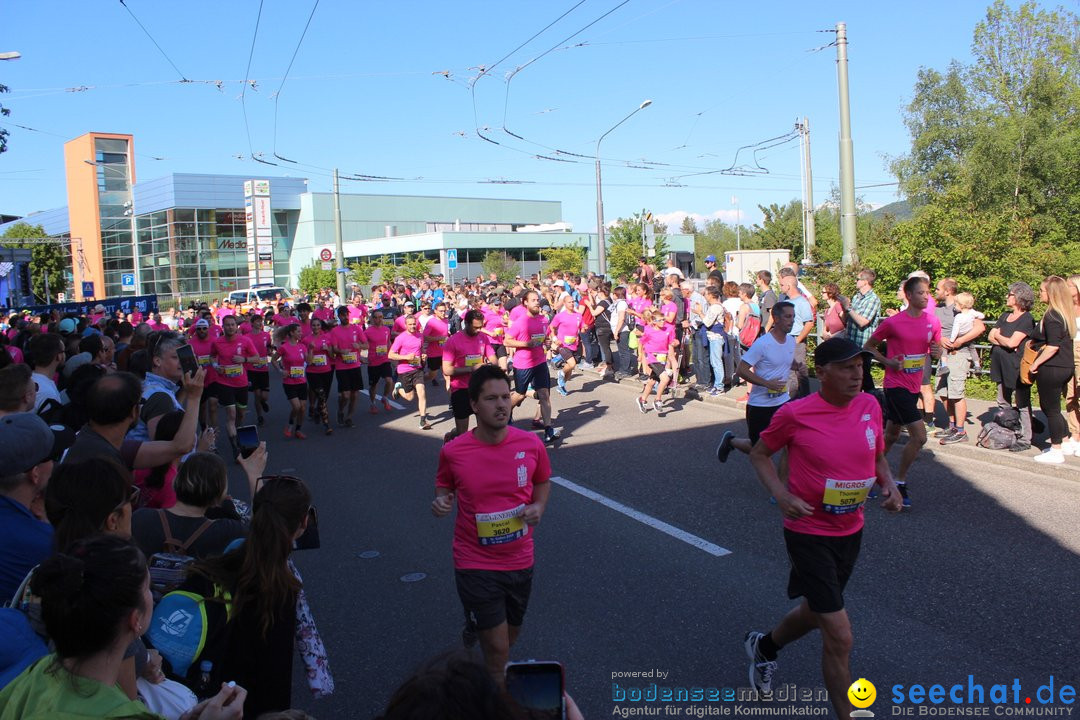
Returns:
(537, 686)
(247, 439)
(188, 363)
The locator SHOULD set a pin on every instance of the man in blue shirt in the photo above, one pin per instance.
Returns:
(28, 448)
(799, 380)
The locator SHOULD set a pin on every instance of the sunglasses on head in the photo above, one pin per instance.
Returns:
(132, 498)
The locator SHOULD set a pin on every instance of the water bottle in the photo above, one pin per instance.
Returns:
(204, 690)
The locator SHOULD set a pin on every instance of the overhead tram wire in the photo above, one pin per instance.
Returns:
(277, 95)
(183, 78)
(243, 92)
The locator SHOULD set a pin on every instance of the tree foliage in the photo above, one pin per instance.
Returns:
(504, 266)
(567, 259)
(624, 246)
(384, 269)
(46, 258)
(313, 278)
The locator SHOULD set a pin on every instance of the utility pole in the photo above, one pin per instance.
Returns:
(339, 251)
(809, 231)
(847, 161)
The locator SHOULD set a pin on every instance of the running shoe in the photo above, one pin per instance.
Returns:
(551, 434)
(902, 487)
(386, 404)
(715, 392)
(425, 424)
(761, 668)
(561, 389)
(537, 424)
(587, 366)
(288, 432)
(328, 430)
(945, 432)
(299, 435)
(265, 406)
(658, 406)
(641, 405)
(955, 437)
(397, 390)
(724, 448)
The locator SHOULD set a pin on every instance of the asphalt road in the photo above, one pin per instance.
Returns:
(980, 578)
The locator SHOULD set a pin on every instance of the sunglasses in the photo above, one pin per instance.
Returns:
(261, 482)
(132, 498)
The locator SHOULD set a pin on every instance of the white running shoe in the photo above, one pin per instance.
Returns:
(761, 669)
(1050, 456)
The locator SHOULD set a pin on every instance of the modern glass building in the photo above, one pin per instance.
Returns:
(187, 235)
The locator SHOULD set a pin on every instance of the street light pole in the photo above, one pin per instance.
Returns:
(599, 192)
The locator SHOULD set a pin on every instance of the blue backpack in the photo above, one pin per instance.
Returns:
(183, 624)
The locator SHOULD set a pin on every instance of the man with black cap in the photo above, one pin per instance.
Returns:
(28, 449)
(713, 271)
(835, 455)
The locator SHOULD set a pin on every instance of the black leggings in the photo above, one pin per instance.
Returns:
(1051, 384)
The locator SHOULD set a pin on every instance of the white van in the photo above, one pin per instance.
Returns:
(258, 294)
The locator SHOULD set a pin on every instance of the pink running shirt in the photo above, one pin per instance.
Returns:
(908, 340)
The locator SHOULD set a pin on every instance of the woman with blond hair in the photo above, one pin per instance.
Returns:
(1054, 366)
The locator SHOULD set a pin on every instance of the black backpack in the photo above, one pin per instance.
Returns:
(1006, 417)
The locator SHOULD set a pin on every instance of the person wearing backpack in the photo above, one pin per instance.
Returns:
(184, 529)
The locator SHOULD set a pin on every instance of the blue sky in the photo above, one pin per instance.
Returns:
(391, 90)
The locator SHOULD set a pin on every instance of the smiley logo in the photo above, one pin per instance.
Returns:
(862, 693)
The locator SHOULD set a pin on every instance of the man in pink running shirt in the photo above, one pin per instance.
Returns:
(910, 335)
(499, 476)
(463, 353)
(821, 504)
(528, 336)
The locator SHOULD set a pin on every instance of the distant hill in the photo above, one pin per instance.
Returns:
(900, 210)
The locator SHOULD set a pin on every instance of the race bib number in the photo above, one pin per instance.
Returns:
(845, 496)
(204, 360)
(296, 372)
(569, 339)
(912, 364)
(380, 349)
(232, 371)
(501, 527)
(498, 332)
(472, 361)
(318, 360)
(260, 364)
(661, 357)
(775, 393)
(349, 358)
(538, 338)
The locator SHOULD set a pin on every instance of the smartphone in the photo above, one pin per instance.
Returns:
(188, 363)
(247, 439)
(310, 539)
(537, 686)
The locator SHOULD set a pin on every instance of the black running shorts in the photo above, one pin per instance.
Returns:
(258, 380)
(410, 380)
(459, 403)
(375, 373)
(539, 377)
(228, 395)
(757, 419)
(349, 380)
(902, 406)
(492, 597)
(820, 567)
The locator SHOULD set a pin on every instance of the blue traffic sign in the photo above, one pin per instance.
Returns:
(127, 282)
(451, 259)
(88, 289)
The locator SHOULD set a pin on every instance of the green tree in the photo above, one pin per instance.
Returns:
(624, 246)
(689, 226)
(504, 266)
(413, 266)
(567, 259)
(47, 259)
(313, 278)
(363, 272)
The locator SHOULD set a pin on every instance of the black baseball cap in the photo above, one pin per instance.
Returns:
(26, 441)
(836, 349)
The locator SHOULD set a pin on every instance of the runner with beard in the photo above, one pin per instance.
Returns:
(435, 333)
(407, 350)
(202, 343)
(529, 337)
(462, 355)
(499, 476)
(230, 352)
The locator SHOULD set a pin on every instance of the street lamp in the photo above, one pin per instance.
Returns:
(599, 194)
(12, 55)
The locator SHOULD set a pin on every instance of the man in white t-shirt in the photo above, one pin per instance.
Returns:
(45, 355)
(765, 366)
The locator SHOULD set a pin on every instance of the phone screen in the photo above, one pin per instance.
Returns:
(537, 687)
(188, 363)
(247, 439)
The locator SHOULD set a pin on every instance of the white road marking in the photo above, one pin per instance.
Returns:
(393, 404)
(641, 517)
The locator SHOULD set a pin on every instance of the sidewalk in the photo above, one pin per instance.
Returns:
(978, 412)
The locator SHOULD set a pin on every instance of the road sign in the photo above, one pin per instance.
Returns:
(88, 289)
(325, 255)
(127, 282)
(451, 259)
(327, 265)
